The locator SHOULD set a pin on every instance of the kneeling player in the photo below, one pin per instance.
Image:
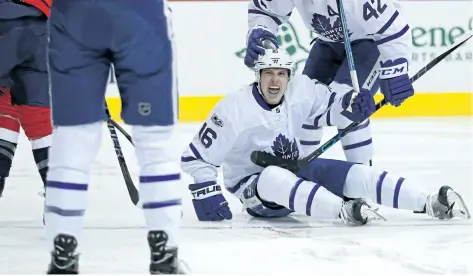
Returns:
(265, 116)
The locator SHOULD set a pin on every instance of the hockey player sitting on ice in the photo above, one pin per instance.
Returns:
(266, 116)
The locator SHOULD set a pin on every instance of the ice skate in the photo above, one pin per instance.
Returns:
(358, 212)
(64, 260)
(446, 204)
(164, 260)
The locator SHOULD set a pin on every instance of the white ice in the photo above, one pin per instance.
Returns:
(434, 152)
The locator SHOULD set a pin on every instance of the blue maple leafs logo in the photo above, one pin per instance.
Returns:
(284, 148)
(330, 27)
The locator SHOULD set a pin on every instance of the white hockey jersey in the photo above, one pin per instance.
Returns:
(242, 122)
(379, 20)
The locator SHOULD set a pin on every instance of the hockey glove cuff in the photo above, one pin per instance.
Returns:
(209, 203)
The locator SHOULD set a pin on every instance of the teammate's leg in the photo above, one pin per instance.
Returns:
(145, 67)
(322, 64)
(357, 144)
(79, 65)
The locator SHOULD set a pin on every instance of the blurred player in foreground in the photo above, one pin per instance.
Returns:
(24, 91)
(266, 116)
(86, 38)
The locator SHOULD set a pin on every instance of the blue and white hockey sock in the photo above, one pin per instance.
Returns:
(71, 157)
(358, 144)
(160, 175)
(310, 138)
(384, 188)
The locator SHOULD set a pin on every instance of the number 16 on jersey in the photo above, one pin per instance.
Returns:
(207, 135)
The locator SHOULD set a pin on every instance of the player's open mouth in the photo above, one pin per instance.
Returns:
(273, 89)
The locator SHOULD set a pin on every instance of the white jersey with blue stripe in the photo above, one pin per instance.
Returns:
(242, 122)
(379, 20)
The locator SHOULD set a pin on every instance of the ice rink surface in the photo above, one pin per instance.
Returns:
(433, 152)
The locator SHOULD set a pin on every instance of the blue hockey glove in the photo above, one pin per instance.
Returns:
(394, 80)
(362, 107)
(255, 46)
(209, 203)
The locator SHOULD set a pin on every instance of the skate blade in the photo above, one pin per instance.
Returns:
(373, 214)
(184, 268)
(459, 208)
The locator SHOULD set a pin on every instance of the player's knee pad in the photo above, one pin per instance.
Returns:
(257, 207)
(74, 149)
(275, 184)
(154, 147)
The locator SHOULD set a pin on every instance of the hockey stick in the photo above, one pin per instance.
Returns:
(117, 126)
(349, 53)
(132, 191)
(265, 159)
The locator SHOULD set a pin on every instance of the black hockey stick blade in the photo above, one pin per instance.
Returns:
(274, 160)
(265, 159)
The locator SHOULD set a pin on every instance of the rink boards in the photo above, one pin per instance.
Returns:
(197, 108)
(210, 56)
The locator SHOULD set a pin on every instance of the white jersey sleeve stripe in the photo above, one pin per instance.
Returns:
(394, 36)
(388, 24)
(310, 127)
(197, 155)
(327, 115)
(188, 158)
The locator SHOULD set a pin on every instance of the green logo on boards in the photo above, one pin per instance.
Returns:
(431, 41)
